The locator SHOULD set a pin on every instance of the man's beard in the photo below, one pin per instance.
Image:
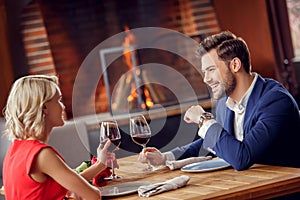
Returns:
(219, 93)
(227, 86)
(229, 83)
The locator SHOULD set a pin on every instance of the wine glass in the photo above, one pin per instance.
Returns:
(109, 131)
(140, 133)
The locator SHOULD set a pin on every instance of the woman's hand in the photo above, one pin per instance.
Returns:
(112, 157)
(71, 195)
(102, 151)
(103, 155)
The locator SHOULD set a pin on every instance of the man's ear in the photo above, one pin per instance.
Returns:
(235, 64)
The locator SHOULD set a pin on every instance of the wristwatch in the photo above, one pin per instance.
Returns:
(204, 116)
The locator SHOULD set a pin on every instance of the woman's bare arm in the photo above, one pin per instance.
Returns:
(49, 163)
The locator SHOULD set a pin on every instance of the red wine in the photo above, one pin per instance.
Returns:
(112, 132)
(109, 130)
(141, 139)
(114, 144)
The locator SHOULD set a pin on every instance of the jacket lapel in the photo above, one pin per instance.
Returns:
(253, 99)
(228, 125)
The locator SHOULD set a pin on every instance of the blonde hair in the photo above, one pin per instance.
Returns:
(24, 107)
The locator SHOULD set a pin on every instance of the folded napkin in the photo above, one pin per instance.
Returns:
(176, 164)
(172, 184)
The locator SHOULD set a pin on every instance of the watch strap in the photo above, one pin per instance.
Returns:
(205, 116)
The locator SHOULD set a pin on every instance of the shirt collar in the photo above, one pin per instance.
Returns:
(241, 105)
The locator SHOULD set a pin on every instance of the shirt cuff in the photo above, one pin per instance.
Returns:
(169, 156)
(203, 129)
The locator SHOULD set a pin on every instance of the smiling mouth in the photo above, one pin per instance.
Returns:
(213, 86)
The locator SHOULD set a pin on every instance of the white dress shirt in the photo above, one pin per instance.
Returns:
(239, 111)
(239, 114)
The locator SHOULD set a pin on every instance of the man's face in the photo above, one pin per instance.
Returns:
(217, 75)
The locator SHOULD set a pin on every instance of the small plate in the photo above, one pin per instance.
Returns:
(204, 166)
(122, 188)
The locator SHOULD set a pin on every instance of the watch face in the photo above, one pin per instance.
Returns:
(205, 115)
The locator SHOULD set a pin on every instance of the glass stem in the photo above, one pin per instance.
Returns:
(148, 161)
(112, 167)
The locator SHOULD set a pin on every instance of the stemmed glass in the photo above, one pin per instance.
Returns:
(140, 133)
(109, 131)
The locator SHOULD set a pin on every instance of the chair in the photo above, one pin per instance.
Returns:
(71, 142)
(4, 144)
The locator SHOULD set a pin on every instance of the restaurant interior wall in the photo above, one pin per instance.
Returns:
(75, 28)
(71, 29)
(66, 21)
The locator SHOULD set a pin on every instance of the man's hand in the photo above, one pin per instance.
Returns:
(192, 115)
(153, 156)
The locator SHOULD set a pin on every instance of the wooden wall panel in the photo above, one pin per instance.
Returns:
(6, 74)
(249, 20)
(35, 39)
(75, 28)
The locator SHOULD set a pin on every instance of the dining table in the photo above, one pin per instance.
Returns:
(257, 182)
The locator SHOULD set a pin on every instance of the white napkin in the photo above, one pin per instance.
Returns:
(172, 184)
(176, 164)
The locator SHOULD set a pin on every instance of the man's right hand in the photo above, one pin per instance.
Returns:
(192, 115)
(152, 156)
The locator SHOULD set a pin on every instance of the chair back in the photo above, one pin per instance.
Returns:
(71, 142)
(4, 144)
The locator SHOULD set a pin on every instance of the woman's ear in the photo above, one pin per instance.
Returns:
(45, 110)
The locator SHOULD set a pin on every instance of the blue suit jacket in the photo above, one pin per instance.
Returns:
(271, 130)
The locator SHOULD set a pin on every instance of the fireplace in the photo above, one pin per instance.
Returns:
(154, 68)
(157, 70)
(116, 58)
(73, 29)
(157, 75)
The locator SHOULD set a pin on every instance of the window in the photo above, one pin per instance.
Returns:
(294, 17)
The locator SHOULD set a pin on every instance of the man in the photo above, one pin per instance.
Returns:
(257, 119)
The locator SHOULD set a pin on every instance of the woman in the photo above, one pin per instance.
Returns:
(32, 169)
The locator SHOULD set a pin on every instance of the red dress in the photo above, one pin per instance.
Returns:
(16, 180)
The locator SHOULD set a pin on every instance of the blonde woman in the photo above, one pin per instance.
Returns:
(32, 169)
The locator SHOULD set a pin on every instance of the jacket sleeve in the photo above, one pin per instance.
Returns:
(196, 148)
(193, 149)
(267, 123)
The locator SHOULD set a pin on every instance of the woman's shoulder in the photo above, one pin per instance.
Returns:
(48, 152)
(35, 147)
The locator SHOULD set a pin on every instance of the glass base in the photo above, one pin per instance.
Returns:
(112, 177)
(149, 168)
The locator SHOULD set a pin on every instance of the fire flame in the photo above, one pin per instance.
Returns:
(130, 39)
